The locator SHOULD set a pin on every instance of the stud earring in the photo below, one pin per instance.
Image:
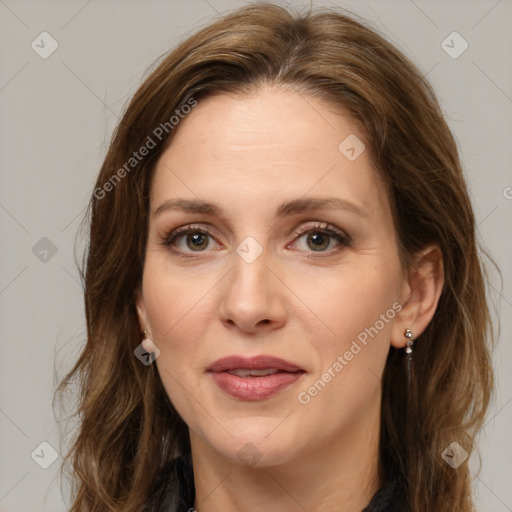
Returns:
(148, 344)
(408, 353)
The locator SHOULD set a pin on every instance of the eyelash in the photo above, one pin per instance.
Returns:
(322, 228)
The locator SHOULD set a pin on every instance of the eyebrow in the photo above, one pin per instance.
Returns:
(285, 209)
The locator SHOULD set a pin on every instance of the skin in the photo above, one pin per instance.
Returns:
(249, 154)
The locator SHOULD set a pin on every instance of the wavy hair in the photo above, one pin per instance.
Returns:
(128, 430)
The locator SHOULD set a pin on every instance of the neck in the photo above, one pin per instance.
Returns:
(339, 472)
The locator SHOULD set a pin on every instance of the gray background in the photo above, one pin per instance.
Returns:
(57, 115)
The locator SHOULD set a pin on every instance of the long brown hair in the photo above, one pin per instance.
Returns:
(128, 429)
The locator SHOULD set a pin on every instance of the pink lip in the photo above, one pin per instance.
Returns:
(254, 388)
(252, 363)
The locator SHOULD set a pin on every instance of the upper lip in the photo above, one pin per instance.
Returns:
(260, 362)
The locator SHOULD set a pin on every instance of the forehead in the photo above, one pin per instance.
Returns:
(256, 149)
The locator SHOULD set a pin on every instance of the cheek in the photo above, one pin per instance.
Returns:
(357, 312)
(172, 302)
(172, 305)
(351, 301)
(356, 309)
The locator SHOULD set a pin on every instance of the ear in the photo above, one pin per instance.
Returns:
(147, 342)
(421, 290)
(141, 310)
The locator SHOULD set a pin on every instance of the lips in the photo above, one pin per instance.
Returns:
(254, 378)
(262, 362)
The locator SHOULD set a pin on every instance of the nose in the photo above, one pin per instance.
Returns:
(253, 297)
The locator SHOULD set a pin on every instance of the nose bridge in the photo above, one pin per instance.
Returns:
(251, 295)
(250, 270)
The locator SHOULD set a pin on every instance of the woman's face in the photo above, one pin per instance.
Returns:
(300, 262)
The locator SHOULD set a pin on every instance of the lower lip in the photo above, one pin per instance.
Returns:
(254, 388)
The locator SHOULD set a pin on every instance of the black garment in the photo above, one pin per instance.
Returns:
(174, 491)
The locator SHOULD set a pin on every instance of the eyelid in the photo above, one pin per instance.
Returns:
(173, 234)
(323, 226)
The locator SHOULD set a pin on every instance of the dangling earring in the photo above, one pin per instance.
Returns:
(408, 353)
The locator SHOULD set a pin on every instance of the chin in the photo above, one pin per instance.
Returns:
(257, 450)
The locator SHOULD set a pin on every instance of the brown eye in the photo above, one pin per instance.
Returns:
(196, 241)
(316, 239)
(319, 238)
(188, 239)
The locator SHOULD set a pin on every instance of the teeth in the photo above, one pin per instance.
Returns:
(253, 373)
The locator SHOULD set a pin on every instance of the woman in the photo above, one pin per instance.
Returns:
(282, 214)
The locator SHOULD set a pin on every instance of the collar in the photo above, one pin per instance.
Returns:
(175, 491)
